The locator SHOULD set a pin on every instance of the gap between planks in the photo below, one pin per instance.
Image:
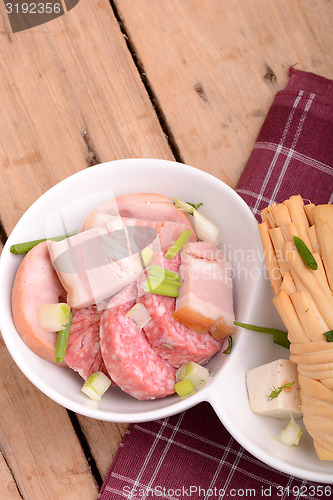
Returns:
(151, 94)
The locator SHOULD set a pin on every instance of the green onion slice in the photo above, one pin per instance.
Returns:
(20, 248)
(276, 391)
(146, 255)
(184, 388)
(96, 385)
(162, 272)
(194, 372)
(305, 253)
(178, 244)
(329, 335)
(166, 287)
(62, 341)
(280, 337)
(228, 349)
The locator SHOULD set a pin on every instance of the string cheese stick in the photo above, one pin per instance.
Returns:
(278, 244)
(295, 206)
(318, 290)
(312, 234)
(309, 316)
(310, 389)
(308, 209)
(289, 317)
(289, 230)
(315, 358)
(310, 347)
(270, 258)
(280, 214)
(288, 283)
(323, 217)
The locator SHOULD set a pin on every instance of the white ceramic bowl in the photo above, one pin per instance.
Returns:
(74, 198)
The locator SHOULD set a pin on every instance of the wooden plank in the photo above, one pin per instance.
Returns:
(70, 96)
(38, 442)
(104, 439)
(214, 67)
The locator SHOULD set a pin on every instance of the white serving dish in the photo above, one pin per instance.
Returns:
(226, 391)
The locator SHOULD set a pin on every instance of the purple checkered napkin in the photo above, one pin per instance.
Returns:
(191, 455)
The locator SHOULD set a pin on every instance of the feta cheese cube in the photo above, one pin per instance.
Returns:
(261, 381)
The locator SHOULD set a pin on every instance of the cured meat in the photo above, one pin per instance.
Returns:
(130, 359)
(171, 340)
(167, 231)
(36, 283)
(147, 206)
(95, 264)
(205, 300)
(83, 353)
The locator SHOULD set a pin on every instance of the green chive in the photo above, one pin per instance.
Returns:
(178, 244)
(169, 288)
(162, 272)
(276, 391)
(329, 335)
(195, 206)
(20, 248)
(305, 253)
(228, 349)
(62, 341)
(280, 337)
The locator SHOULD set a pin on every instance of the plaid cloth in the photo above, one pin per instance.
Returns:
(191, 455)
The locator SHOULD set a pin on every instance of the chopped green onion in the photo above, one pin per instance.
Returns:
(280, 337)
(162, 272)
(62, 341)
(205, 229)
(96, 385)
(139, 314)
(166, 287)
(305, 253)
(194, 372)
(291, 435)
(329, 335)
(146, 256)
(195, 206)
(53, 317)
(228, 349)
(178, 244)
(276, 391)
(184, 388)
(20, 248)
(187, 207)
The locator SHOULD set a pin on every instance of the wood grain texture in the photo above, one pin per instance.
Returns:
(70, 96)
(215, 66)
(38, 443)
(104, 439)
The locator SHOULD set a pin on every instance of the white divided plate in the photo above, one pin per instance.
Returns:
(73, 199)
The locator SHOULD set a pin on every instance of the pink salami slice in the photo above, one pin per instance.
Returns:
(171, 340)
(130, 359)
(83, 353)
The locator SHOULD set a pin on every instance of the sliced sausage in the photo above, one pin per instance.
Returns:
(171, 340)
(36, 283)
(83, 353)
(130, 359)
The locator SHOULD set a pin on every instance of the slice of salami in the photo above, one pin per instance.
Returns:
(130, 359)
(170, 339)
(83, 353)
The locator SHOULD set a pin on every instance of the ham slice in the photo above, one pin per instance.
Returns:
(205, 300)
(94, 265)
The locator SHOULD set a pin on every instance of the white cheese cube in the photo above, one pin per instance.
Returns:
(261, 381)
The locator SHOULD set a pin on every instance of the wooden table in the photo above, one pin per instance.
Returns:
(190, 80)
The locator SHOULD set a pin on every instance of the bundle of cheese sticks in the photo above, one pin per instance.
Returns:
(297, 239)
